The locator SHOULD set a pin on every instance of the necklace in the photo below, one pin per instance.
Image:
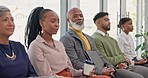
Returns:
(12, 57)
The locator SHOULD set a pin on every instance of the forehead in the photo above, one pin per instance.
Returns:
(75, 11)
(104, 17)
(6, 14)
(130, 21)
(51, 14)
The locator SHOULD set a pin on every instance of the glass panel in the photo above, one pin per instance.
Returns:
(21, 9)
(132, 13)
(113, 10)
(90, 9)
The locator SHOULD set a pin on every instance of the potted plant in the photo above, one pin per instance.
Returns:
(143, 46)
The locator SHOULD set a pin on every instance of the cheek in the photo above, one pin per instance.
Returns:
(131, 28)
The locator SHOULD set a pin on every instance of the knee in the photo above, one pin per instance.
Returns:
(100, 76)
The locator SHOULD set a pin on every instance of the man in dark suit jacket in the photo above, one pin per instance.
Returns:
(77, 43)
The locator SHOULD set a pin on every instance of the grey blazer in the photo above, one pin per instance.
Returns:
(75, 49)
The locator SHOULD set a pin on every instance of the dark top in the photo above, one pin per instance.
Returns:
(20, 67)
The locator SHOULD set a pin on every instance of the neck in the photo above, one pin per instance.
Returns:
(75, 29)
(103, 30)
(47, 37)
(126, 32)
(4, 40)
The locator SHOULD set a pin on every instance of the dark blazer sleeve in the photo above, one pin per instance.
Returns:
(31, 71)
(71, 52)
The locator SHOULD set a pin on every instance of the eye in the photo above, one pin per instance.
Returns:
(4, 20)
(12, 19)
(52, 20)
(58, 21)
(81, 15)
(75, 16)
(106, 19)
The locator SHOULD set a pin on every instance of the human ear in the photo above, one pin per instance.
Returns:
(41, 23)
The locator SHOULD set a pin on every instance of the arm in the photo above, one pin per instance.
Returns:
(99, 70)
(114, 60)
(142, 61)
(72, 70)
(120, 44)
(106, 63)
(31, 71)
(71, 52)
(40, 63)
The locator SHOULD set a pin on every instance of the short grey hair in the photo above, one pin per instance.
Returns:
(3, 9)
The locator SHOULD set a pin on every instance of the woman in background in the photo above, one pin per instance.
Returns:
(126, 42)
(14, 61)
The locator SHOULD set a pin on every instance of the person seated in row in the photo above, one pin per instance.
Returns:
(126, 42)
(77, 43)
(47, 55)
(111, 51)
(14, 61)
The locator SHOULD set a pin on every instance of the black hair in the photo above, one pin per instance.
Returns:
(33, 27)
(123, 21)
(99, 15)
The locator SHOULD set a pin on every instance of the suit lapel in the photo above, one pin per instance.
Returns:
(73, 34)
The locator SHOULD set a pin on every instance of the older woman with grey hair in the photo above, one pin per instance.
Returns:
(14, 61)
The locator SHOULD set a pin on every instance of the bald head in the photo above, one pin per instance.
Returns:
(72, 11)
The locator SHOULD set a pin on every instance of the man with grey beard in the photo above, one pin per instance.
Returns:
(77, 44)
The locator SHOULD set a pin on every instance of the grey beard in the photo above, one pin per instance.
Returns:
(76, 26)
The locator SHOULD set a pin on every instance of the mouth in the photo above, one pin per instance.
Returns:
(56, 30)
(80, 22)
(11, 29)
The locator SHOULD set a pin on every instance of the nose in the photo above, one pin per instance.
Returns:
(109, 22)
(57, 24)
(11, 22)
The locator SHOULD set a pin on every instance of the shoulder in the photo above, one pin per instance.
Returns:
(34, 44)
(112, 39)
(18, 47)
(96, 35)
(67, 35)
(120, 36)
(89, 37)
(15, 43)
(66, 38)
(58, 42)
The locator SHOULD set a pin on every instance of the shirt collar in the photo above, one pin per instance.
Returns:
(102, 33)
(40, 39)
(126, 35)
(77, 31)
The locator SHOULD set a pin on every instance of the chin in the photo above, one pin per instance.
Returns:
(10, 34)
(54, 33)
(108, 29)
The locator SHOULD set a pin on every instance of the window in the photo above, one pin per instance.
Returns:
(21, 9)
(90, 9)
(114, 12)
